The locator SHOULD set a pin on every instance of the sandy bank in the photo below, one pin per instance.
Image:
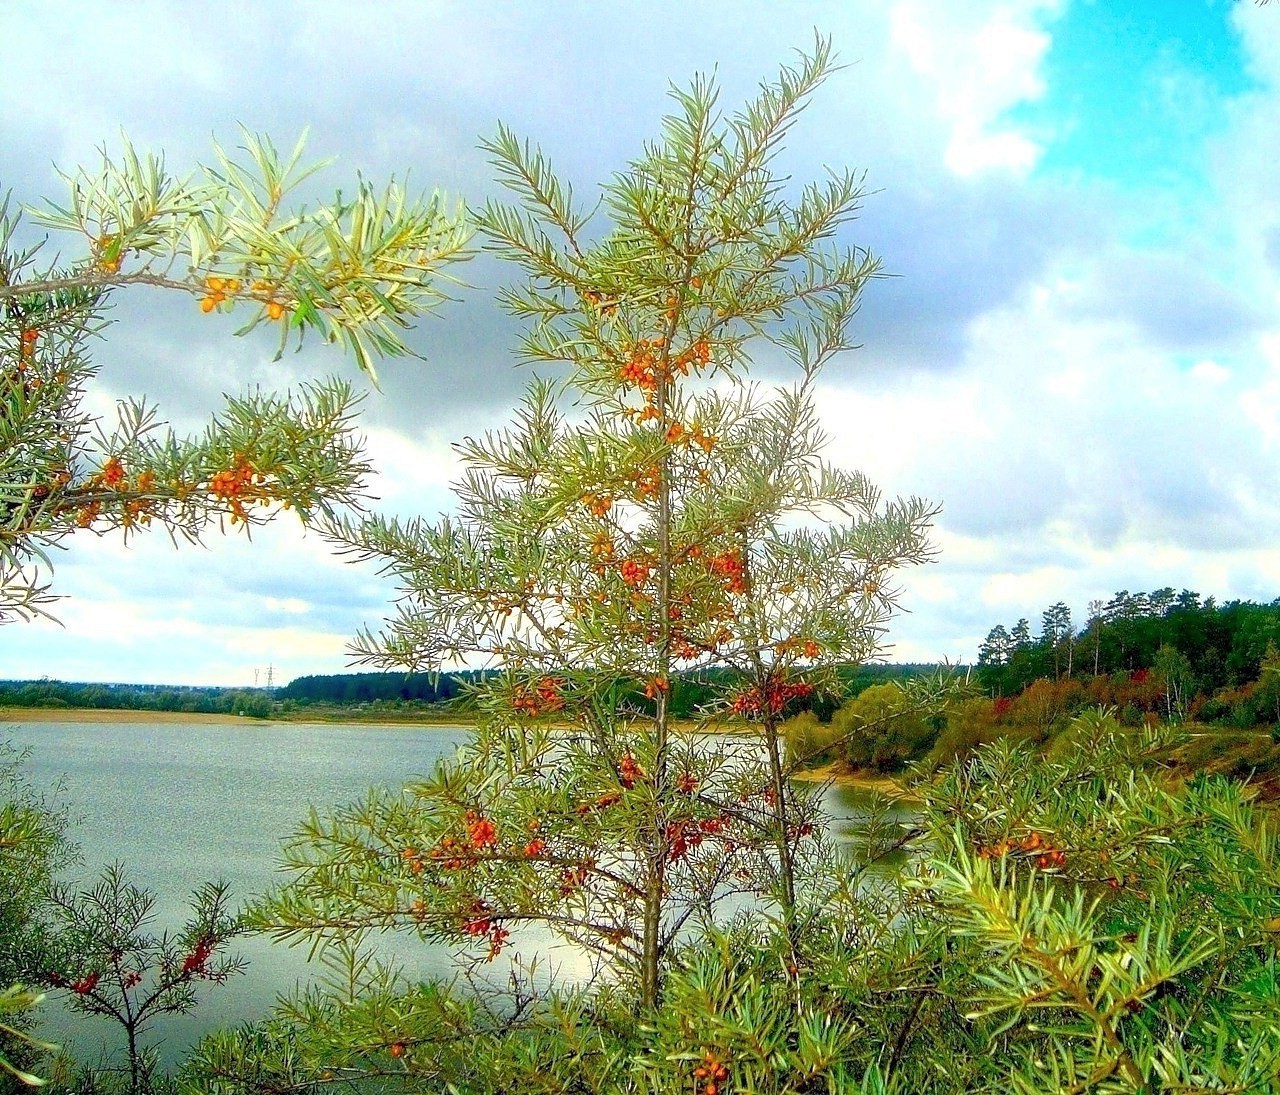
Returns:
(835, 772)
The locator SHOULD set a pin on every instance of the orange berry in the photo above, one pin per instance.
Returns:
(208, 304)
(274, 309)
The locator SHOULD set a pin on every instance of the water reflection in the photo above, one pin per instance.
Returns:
(866, 821)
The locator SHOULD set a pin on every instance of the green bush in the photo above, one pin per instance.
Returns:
(1070, 923)
(882, 730)
(33, 848)
(808, 741)
(969, 723)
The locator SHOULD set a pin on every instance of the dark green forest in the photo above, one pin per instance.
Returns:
(355, 693)
(1224, 643)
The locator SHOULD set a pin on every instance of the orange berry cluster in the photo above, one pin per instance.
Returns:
(609, 798)
(730, 567)
(453, 854)
(810, 648)
(572, 878)
(648, 367)
(111, 476)
(755, 702)
(634, 572)
(196, 963)
(678, 434)
(629, 771)
(602, 547)
(597, 504)
(545, 697)
(657, 686)
(601, 302)
(689, 832)
(643, 368)
(686, 783)
(1046, 856)
(27, 352)
(237, 484)
(711, 1073)
(219, 289)
(108, 253)
(646, 482)
(85, 984)
(480, 921)
(482, 831)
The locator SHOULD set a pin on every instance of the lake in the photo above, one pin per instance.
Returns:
(182, 803)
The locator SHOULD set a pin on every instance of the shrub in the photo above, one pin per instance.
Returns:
(883, 730)
(809, 741)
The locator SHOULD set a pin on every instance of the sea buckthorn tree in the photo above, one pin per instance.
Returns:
(353, 271)
(102, 951)
(651, 517)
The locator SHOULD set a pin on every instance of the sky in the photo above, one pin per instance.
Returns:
(1077, 354)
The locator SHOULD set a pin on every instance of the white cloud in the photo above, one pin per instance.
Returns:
(978, 61)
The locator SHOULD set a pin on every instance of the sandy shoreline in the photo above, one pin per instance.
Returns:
(109, 715)
(836, 773)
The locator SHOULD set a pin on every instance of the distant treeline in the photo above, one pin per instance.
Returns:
(353, 689)
(349, 691)
(254, 702)
(358, 689)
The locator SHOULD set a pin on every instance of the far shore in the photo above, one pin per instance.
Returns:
(837, 773)
(117, 714)
(113, 714)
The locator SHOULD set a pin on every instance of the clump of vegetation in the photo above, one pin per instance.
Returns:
(33, 849)
(1074, 923)
(102, 951)
(231, 236)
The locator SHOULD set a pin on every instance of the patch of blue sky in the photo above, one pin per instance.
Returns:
(1133, 90)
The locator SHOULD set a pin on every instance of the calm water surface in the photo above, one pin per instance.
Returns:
(180, 804)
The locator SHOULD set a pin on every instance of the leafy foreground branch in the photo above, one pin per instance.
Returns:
(354, 271)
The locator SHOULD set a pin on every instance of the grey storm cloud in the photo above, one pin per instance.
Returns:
(957, 250)
(1172, 298)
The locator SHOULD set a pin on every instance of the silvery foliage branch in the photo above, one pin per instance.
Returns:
(354, 271)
